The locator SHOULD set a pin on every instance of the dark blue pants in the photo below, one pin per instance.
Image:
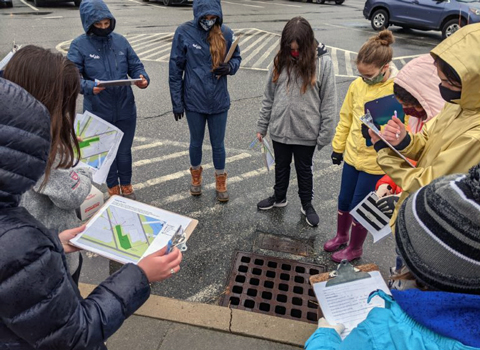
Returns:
(217, 123)
(121, 168)
(355, 187)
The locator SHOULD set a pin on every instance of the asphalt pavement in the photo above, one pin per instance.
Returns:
(161, 145)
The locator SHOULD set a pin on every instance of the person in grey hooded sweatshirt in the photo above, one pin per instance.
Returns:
(299, 106)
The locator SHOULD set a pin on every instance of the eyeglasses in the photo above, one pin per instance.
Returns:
(371, 78)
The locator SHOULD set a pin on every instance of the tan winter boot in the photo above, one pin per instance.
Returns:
(127, 192)
(196, 186)
(222, 194)
(114, 191)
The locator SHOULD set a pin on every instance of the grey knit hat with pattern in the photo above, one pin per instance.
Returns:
(438, 233)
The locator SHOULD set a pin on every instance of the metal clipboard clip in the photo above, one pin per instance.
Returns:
(346, 272)
(179, 240)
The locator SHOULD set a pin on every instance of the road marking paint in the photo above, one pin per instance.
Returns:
(334, 60)
(32, 7)
(407, 57)
(168, 48)
(257, 50)
(133, 36)
(143, 3)
(152, 41)
(179, 174)
(142, 53)
(150, 145)
(402, 61)
(348, 64)
(276, 4)
(252, 45)
(53, 17)
(184, 145)
(266, 55)
(232, 3)
(206, 293)
(160, 159)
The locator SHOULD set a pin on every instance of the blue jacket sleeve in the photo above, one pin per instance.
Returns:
(235, 60)
(178, 60)
(324, 339)
(76, 57)
(135, 66)
(41, 305)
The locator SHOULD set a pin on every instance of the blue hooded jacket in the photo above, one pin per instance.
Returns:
(105, 58)
(193, 87)
(414, 320)
(40, 305)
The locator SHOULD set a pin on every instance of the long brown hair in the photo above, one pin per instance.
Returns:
(377, 50)
(299, 30)
(218, 45)
(54, 81)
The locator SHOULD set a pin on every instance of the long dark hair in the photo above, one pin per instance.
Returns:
(449, 72)
(54, 81)
(299, 30)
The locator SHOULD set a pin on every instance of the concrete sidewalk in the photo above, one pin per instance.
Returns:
(164, 323)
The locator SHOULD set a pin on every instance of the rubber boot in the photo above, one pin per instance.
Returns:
(196, 186)
(354, 249)
(344, 222)
(222, 194)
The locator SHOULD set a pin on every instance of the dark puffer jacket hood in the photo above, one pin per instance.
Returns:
(24, 142)
(92, 11)
(202, 8)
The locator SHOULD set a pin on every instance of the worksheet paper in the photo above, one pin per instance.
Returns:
(347, 303)
(372, 218)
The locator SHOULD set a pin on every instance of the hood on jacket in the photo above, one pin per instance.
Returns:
(92, 11)
(458, 51)
(24, 142)
(419, 77)
(452, 315)
(203, 8)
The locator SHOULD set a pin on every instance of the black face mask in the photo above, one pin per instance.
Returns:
(449, 95)
(101, 32)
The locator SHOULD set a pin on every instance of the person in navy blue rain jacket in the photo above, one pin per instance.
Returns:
(103, 55)
(198, 86)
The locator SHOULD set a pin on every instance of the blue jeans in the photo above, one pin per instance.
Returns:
(355, 187)
(217, 124)
(121, 168)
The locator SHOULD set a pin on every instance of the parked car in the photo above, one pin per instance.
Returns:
(6, 3)
(445, 15)
(40, 3)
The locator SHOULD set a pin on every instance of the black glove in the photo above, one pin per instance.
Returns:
(337, 158)
(365, 133)
(387, 204)
(222, 69)
(178, 116)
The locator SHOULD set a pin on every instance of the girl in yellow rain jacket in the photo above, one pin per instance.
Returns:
(360, 171)
(450, 143)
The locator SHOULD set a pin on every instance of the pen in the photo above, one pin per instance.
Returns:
(397, 135)
(395, 114)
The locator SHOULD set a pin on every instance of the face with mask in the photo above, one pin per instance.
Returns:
(370, 74)
(295, 50)
(208, 22)
(416, 112)
(101, 28)
(450, 90)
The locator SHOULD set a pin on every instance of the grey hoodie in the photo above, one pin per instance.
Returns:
(294, 118)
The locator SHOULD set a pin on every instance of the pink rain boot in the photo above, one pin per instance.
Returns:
(354, 249)
(344, 221)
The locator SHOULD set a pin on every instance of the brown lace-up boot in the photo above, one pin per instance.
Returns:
(127, 192)
(222, 194)
(114, 191)
(196, 186)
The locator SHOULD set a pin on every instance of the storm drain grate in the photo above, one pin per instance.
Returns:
(273, 286)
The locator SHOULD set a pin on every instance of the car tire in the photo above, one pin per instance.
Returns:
(9, 4)
(39, 3)
(320, 2)
(379, 20)
(167, 2)
(145, 0)
(451, 27)
(339, 2)
(77, 2)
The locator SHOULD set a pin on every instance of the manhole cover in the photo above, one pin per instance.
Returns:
(272, 286)
(285, 244)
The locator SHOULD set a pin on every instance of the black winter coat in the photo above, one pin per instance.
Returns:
(40, 306)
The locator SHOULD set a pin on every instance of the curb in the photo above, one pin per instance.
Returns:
(222, 319)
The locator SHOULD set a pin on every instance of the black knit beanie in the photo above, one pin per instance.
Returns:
(438, 233)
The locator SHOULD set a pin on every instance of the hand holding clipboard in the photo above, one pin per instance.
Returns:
(230, 52)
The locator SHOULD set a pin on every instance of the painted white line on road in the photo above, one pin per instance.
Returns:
(163, 49)
(260, 47)
(348, 63)
(53, 17)
(179, 174)
(143, 3)
(334, 60)
(184, 145)
(140, 139)
(266, 55)
(407, 57)
(160, 159)
(152, 40)
(150, 145)
(232, 3)
(252, 45)
(402, 61)
(276, 4)
(32, 7)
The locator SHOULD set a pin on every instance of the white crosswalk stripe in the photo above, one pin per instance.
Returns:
(258, 48)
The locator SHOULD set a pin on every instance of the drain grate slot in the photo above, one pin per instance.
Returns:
(273, 286)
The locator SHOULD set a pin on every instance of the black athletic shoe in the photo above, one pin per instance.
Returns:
(310, 214)
(270, 202)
